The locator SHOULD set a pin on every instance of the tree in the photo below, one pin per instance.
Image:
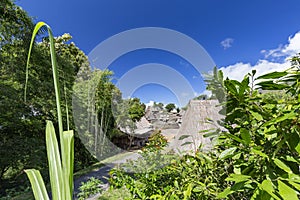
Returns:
(136, 109)
(170, 107)
(215, 84)
(22, 123)
(159, 105)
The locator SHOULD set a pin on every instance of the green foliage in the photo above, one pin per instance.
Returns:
(116, 194)
(257, 157)
(215, 84)
(190, 177)
(89, 188)
(136, 109)
(262, 140)
(95, 100)
(22, 137)
(170, 107)
(155, 142)
(60, 162)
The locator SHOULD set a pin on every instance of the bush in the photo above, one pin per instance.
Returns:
(257, 157)
(89, 188)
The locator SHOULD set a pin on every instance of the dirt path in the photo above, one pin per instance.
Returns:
(102, 173)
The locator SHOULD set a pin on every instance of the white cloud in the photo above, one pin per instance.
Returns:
(227, 43)
(269, 64)
(239, 70)
(150, 103)
(290, 49)
(205, 92)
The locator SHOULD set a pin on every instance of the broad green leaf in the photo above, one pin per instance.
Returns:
(267, 186)
(225, 193)
(37, 184)
(296, 185)
(238, 178)
(256, 115)
(245, 134)
(290, 115)
(282, 165)
(227, 153)
(230, 87)
(258, 152)
(188, 192)
(176, 184)
(272, 75)
(234, 137)
(292, 159)
(294, 177)
(286, 192)
(55, 167)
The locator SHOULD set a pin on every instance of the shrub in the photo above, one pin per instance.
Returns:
(89, 188)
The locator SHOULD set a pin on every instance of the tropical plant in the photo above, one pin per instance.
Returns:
(89, 188)
(255, 157)
(60, 164)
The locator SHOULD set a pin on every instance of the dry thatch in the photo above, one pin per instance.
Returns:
(195, 121)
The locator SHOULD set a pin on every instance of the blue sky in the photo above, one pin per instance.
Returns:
(238, 35)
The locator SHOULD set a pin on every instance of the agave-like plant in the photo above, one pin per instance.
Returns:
(60, 165)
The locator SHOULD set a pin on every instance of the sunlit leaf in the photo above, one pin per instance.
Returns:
(37, 184)
(227, 153)
(272, 75)
(286, 192)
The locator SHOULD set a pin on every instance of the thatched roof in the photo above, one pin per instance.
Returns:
(194, 121)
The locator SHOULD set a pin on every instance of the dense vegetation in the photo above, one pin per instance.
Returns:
(257, 157)
(22, 123)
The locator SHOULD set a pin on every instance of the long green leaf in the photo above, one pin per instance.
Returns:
(227, 153)
(55, 167)
(38, 26)
(238, 178)
(37, 184)
(272, 75)
(282, 165)
(245, 134)
(68, 169)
